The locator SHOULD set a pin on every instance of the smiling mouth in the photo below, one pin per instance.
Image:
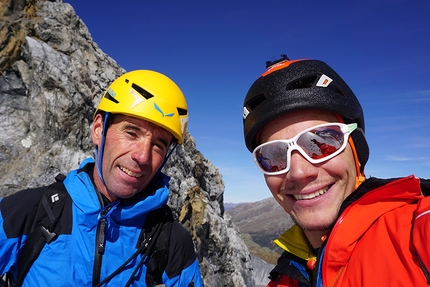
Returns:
(129, 172)
(311, 195)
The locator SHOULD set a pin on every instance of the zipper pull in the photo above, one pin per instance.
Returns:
(311, 264)
(101, 236)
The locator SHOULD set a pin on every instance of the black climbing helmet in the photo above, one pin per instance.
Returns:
(292, 85)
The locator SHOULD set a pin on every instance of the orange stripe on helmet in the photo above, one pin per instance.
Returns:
(279, 66)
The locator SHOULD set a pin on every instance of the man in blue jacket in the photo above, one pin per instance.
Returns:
(139, 120)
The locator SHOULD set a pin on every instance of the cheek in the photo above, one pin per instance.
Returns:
(157, 160)
(273, 183)
(348, 162)
(352, 173)
(343, 167)
(112, 149)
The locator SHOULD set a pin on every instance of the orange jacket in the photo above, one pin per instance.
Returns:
(380, 239)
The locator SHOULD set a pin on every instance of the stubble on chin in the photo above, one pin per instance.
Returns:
(313, 228)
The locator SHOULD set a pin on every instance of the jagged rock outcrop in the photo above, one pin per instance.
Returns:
(261, 271)
(51, 76)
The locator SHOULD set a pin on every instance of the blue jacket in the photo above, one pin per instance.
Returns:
(69, 259)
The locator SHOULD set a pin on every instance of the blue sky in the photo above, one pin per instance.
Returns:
(215, 50)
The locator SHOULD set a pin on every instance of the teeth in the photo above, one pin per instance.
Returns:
(129, 172)
(310, 195)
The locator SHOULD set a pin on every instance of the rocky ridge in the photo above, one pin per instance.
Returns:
(51, 76)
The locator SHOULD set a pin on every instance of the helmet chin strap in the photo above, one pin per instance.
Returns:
(175, 144)
(99, 156)
(360, 175)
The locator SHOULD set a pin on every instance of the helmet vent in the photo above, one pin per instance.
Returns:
(302, 83)
(309, 82)
(109, 96)
(336, 89)
(182, 112)
(255, 101)
(144, 93)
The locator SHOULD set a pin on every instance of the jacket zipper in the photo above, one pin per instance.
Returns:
(100, 246)
(101, 239)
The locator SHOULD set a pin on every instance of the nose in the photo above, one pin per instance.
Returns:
(141, 153)
(300, 168)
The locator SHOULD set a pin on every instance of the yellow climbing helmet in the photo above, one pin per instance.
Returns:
(150, 96)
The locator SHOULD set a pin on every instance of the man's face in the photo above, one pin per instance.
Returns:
(311, 193)
(134, 150)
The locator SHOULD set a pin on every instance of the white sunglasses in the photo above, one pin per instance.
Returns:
(317, 144)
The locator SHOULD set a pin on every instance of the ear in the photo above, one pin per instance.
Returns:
(97, 129)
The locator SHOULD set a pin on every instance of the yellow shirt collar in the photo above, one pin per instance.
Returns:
(294, 241)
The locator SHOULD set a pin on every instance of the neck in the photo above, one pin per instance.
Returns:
(101, 187)
(316, 238)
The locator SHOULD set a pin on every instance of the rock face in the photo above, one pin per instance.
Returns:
(51, 76)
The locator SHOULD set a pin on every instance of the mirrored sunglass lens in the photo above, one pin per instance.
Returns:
(272, 157)
(321, 142)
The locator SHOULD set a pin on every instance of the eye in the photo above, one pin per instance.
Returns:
(161, 145)
(160, 149)
(131, 133)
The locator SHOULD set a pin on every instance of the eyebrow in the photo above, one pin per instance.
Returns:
(164, 142)
(132, 127)
(138, 129)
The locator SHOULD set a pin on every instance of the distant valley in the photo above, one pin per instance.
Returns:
(260, 223)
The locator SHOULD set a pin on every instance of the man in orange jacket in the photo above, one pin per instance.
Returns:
(305, 128)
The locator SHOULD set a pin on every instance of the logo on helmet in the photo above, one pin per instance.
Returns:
(324, 81)
(162, 113)
(245, 113)
(111, 93)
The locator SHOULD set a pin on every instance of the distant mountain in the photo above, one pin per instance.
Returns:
(260, 223)
(230, 205)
